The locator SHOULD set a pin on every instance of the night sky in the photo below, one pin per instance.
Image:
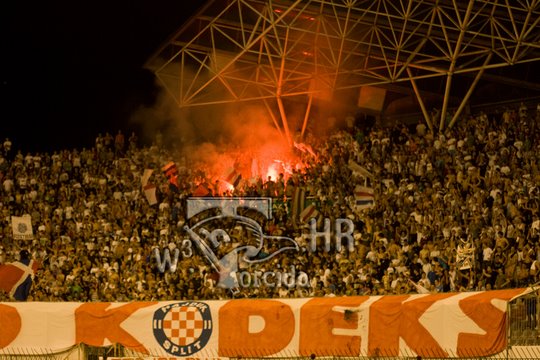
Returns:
(72, 69)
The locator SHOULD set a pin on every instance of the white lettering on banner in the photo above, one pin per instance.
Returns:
(474, 325)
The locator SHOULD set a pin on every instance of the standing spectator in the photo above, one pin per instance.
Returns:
(119, 143)
(7, 147)
(133, 141)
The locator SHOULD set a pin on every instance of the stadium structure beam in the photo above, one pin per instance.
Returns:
(306, 115)
(261, 50)
(464, 25)
(272, 116)
(467, 96)
(427, 118)
(282, 111)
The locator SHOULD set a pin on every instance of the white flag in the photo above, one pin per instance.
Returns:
(146, 176)
(22, 227)
(354, 167)
(150, 193)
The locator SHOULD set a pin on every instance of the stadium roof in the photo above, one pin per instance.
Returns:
(274, 50)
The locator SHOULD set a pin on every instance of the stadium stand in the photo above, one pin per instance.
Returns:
(457, 211)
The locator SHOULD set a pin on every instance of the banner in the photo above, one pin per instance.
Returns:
(363, 197)
(233, 177)
(308, 213)
(171, 172)
(170, 169)
(465, 255)
(201, 190)
(431, 325)
(16, 278)
(22, 227)
(298, 203)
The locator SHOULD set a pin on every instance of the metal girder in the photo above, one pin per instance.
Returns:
(269, 50)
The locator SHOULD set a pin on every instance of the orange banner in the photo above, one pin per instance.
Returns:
(430, 325)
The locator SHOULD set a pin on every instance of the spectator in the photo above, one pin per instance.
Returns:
(95, 231)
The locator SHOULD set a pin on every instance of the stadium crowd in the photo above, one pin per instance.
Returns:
(477, 188)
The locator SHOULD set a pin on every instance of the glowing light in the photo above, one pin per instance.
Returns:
(273, 172)
(225, 186)
(254, 150)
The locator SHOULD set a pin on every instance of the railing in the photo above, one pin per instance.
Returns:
(84, 352)
(513, 352)
(523, 316)
(73, 353)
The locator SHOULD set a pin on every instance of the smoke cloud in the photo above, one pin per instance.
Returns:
(219, 138)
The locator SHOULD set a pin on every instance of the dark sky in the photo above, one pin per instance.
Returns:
(71, 69)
